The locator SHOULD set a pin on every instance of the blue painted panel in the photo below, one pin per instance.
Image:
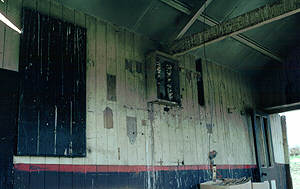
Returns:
(104, 180)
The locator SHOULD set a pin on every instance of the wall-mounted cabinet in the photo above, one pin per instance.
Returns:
(162, 79)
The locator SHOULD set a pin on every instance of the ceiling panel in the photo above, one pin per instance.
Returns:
(121, 12)
(161, 22)
(234, 55)
(193, 4)
(195, 28)
(280, 36)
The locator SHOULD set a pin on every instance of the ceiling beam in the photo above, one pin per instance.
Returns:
(139, 21)
(177, 5)
(240, 37)
(251, 43)
(250, 20)
(193, 19)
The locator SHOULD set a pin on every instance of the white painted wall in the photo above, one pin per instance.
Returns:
(277, 139)
(179, 135)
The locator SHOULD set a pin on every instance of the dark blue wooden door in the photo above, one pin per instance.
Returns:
(8, 125)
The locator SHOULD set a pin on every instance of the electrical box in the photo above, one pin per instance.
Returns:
(162, 79)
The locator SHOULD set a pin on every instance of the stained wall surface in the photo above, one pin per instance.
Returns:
(171, 147)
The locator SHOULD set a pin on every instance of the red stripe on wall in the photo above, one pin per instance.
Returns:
(117, 168)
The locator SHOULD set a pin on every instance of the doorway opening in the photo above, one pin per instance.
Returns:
(292, 119)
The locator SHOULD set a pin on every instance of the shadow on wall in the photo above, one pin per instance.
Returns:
(279, 84)
(292, 72)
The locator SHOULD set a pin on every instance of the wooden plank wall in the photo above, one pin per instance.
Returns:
(178, 136)
(9, 40)
(277, 139)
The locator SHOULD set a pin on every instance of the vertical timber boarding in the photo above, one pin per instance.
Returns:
(179, 138)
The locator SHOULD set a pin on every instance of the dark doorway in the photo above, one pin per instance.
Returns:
(8, 125)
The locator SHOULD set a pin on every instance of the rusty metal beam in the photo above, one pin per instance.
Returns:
(237, 25)
(193, 19)
(240, 37)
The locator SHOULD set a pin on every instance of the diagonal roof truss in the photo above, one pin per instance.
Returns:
(193, 19)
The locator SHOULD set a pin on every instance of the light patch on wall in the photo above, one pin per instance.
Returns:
(273, 184)
(131, 125)
(108, 118)
(9, 23)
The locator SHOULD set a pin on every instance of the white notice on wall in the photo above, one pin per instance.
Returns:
(273, 184)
